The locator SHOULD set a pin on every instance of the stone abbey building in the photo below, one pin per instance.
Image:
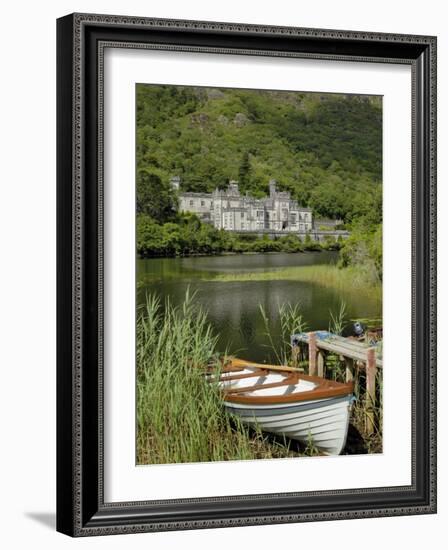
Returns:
(228, 209)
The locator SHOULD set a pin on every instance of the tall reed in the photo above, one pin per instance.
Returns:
(291, 322)
(338, 319)
(180, 415)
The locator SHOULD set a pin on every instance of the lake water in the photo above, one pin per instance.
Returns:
(233, 307)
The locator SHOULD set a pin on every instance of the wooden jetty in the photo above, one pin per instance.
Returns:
(354, 353)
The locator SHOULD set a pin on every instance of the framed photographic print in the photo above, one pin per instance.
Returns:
(246, 274)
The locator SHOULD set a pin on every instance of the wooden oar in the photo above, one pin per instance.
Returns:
(283, 368)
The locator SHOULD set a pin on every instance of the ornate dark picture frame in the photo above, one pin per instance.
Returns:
(81, 509)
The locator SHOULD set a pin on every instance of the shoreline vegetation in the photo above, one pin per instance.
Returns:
(180, 415)
(360, 277)
(360, 255)
(186, 235)
(328, 275)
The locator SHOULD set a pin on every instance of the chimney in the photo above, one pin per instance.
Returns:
(272, 188)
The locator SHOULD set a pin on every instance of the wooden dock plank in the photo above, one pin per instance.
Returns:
(336, 339)
(339, 345)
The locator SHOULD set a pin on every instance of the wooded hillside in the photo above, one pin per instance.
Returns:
(326, 149)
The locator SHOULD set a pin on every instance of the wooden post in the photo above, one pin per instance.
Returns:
(312, 352)
(349, 369)
(302, 354)
(370, 390)
(320, 363)
(295, 355)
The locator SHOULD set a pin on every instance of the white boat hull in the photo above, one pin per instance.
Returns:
(309, 409)
(322, 423)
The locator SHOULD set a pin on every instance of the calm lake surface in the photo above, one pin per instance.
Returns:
(233, 307)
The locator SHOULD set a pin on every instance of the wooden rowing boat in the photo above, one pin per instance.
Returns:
(284, 401)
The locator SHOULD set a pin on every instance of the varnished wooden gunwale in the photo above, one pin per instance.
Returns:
(324, 388)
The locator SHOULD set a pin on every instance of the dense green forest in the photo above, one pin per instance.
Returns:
(326, 149)
(187, 235)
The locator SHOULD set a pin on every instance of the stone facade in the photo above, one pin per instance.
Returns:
(228, 209)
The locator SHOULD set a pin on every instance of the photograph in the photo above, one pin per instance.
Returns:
(259, 295)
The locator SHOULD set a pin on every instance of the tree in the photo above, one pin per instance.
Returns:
(150, 241)
(154, 198)
(244, 172)
(363, 249)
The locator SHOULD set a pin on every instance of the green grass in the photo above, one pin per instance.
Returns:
(180, 416)
(348, 278)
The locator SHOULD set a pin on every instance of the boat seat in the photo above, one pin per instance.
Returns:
(248, 389)
(259, 372)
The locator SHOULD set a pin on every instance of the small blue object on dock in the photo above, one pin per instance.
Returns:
(300, 337)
